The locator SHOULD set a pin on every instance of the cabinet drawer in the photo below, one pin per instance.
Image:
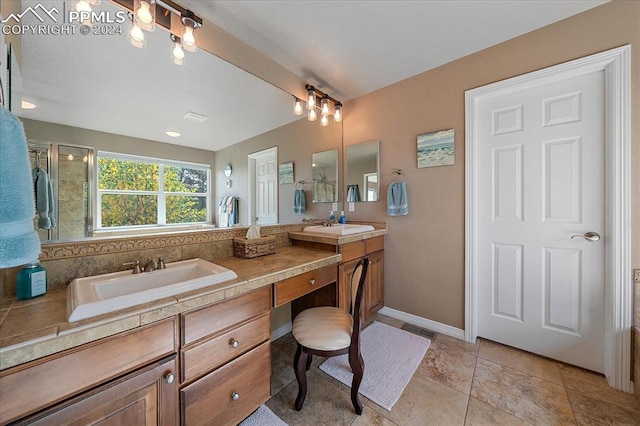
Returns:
(215, 352)
(350, 251)
(375, 244)
(210, 399)
(292, 288)
(214, 318)
(38, 384)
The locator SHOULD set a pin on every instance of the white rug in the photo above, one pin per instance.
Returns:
(391, 356)
(262, 417)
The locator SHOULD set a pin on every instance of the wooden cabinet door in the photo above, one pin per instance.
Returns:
(345, 273)
(374, 290)
(146, 397)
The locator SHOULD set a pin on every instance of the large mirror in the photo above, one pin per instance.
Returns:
(363, 172)
(100, 92)
(325, 176)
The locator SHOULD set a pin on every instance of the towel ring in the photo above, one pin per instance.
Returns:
(397, 174)
(300, 184)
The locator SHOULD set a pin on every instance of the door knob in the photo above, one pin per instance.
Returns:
(589, 236)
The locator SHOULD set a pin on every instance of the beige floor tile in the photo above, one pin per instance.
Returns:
(482, 414)
(326, 403)
(450, 365)
(520, 360)
(426, 402)
(458, 344)
(529, 398)
(370, 417)
(595, 402)
(282, 372)
(388, 320)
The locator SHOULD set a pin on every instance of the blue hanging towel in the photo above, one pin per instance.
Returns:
(19, 243)
(397, 203)
(299, 201)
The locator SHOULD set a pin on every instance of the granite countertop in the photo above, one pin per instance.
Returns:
(335, 240)
(35, 328)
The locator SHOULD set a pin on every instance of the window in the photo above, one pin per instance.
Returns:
(138, 191)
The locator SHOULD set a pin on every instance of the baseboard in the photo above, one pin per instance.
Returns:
(281, 331)
(423, 322)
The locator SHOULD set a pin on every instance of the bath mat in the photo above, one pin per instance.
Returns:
(262, 417)
(391, 356)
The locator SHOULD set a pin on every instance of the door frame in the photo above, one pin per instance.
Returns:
(616, 64)
(251, 169)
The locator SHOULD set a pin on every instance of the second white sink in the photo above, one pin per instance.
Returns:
(100, 294)
(345, 229)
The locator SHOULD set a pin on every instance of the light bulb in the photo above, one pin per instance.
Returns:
(297, 106)
(324, 121)
(83, 6)
(70, 157)
(136, 36)
(189, 40)
(178, 54)
(312, 116)
(324, 106)
(85, 158)
(144, 13)
(311, 99)
(337, 115)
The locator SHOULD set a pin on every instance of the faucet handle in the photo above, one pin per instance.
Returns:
(136, 266)
(161, 264)
(150, 265)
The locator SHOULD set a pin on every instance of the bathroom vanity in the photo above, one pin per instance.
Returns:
(194, 358)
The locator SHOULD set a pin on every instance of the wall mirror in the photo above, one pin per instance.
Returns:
(325, 176)
(97, 77)
(363, 172)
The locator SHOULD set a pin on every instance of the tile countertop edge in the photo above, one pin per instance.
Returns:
(335, 240)
(107, 325)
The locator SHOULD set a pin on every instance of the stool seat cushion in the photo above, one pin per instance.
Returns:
(325, 328)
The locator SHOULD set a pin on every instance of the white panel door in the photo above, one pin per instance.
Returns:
(541, 180)
(266, 200)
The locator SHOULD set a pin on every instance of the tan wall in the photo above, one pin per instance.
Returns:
(424, 251)
(296, 142)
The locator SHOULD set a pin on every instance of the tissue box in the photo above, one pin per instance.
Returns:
(248, 249)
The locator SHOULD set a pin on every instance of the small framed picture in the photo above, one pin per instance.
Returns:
(286, 172)
(436, 149)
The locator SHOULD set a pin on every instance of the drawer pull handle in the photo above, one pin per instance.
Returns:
(234, 343)
(312, 282)
(235, 396)
(169, 377)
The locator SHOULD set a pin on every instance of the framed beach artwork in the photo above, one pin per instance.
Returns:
(286, 172)
(436, 149)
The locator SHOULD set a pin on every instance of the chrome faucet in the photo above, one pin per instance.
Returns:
(330, 223)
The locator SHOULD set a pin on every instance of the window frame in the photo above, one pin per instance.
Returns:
(161, 194)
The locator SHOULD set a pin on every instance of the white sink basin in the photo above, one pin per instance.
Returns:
(346, 229)
(100, 294)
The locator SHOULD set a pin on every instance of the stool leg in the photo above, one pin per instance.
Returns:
(299, 365)
(357, 366)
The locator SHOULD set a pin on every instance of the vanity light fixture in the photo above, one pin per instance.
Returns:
(145, 14)
(85, 5)
(136, 35)
(173, 133)
(297, 106)
(190, 24)
(317, 100)
(178, 53)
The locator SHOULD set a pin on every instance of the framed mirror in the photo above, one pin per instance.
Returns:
(363, 172)
(324, 167)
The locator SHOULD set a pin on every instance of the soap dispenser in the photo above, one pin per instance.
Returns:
(342, 218)
(31, 281)
(331, 215)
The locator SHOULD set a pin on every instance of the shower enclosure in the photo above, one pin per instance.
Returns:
(71, 171)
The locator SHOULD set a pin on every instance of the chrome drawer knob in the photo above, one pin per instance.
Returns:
(235, 396)
(312, 282)
(234, 343)
(169, 377)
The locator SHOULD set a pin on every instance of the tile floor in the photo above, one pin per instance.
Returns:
(459, 383)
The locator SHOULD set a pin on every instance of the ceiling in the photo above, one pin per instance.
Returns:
(346, 48)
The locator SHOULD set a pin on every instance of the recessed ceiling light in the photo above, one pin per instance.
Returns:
(27, 105)
(172, 133)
